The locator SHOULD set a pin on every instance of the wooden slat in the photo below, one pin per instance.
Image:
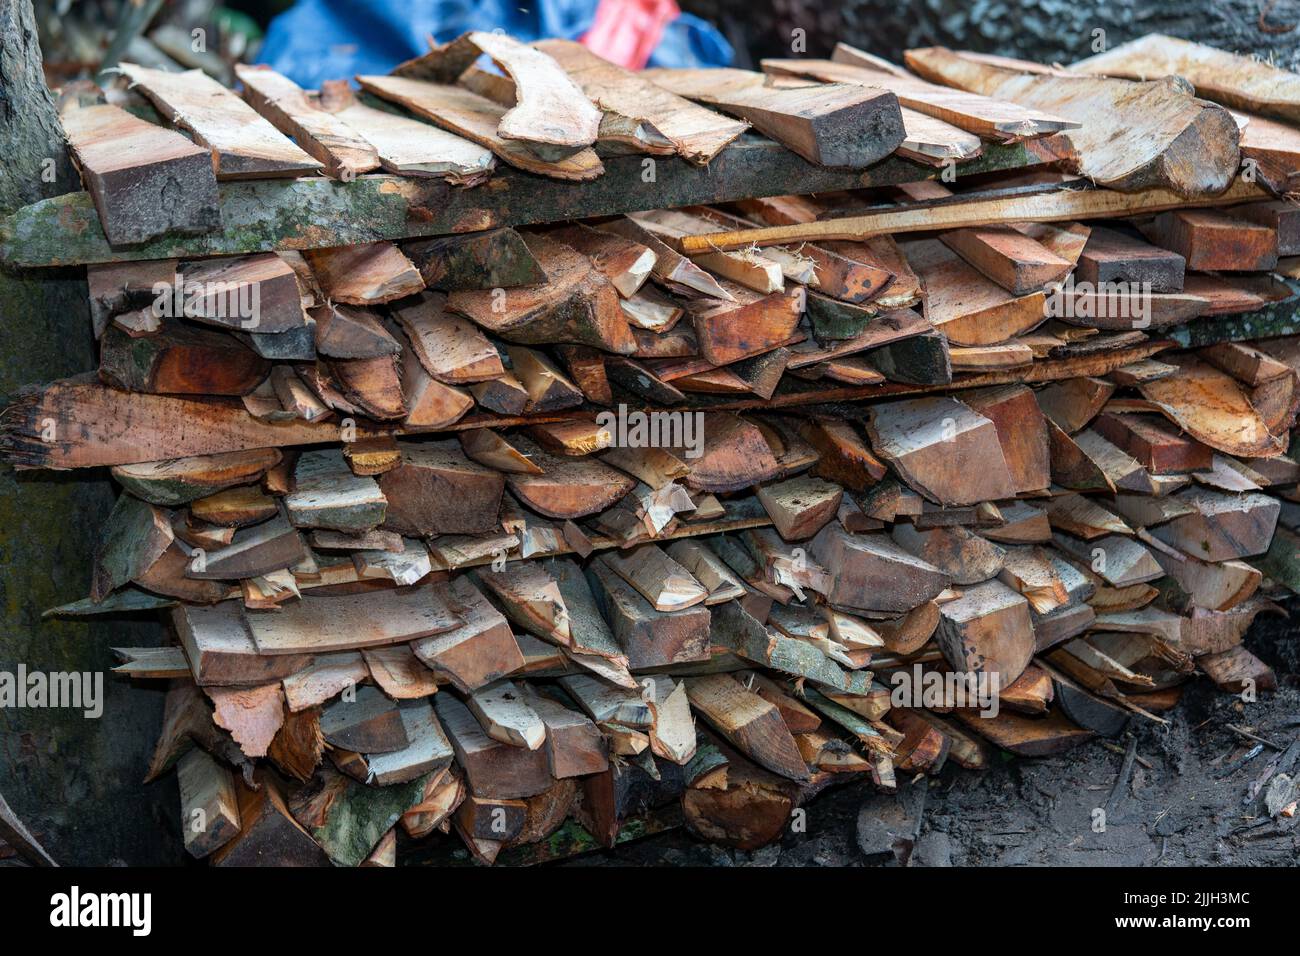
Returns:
(316, 212)
(243, 144)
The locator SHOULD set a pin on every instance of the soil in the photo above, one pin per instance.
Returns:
(1188, 807)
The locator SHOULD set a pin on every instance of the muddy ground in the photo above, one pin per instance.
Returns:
(1187, 808)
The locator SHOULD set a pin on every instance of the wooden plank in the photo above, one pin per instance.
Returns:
(323, 135)
(981, 115)
(146, 180)
(318, 212)
(1239, 81)
(748, 722)
(697, 134)
(1133, 135)
(407, 146)
(243, 144)
(835, 124)
(1034, 204)
(550, 114)
(345, 622)
(478, 119)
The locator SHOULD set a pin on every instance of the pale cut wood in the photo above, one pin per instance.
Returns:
(988, 631)
(551, 115)
(672, 735)
(505, 714)
(985, 117)
(477, 119)
(243, 144)
(451, 349)
(428, 751)
(1049, 204)
(352, 621)
(328, 495)
(836, 124)
(407, 146)
(657, 577)
(323, 135)
(1240, 81)
(367, 274)
(1211, 407)
(801, 506)
(963, 304)
(697, 134)
(251, 714)
(707, 568)
(671, 267)
(322, 677)
(1133, 135)
(480, 649)
(1120, 561)
(943, 449)
(748, 722)
(209, 805)
(220, 648)
(991, 119)
(399, 673)
(145, 180)
(1221, 527)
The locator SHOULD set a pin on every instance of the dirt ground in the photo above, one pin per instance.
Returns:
(1188, 807)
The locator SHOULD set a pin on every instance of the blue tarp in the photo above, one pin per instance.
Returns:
(320, 40)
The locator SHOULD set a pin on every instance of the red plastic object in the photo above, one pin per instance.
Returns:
(626, 32)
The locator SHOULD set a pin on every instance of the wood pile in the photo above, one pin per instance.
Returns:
(552, 528)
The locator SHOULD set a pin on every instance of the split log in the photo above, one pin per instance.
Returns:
(800, 507)
(985, 117)
(574, 747)
(576, 304)
(429, 751)
(268, 835)
(504, 713)
(407, 146)
(1022, 433)
(325, 136)
(697, 134)
(748, 722)
(351, 621)
(1180, 142)
(437, 490)
(874, 574)
(209, 805)
(179, 360)
(146, 180)
(942, 448)
(368, 722)
(480, 649)
(836, 124)
(648, 637)
(1227, 78)
(962, 555)
(327, 494)
(1213, 240)
(478, 119)
(568, 487)
(1221, 527)
(243, 144)
(966, 307)
(987, 631)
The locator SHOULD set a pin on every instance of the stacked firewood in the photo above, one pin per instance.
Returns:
(582, 528)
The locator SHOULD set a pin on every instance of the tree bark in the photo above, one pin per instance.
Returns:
(74, 781)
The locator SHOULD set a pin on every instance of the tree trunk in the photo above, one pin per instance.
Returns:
(74, 781)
